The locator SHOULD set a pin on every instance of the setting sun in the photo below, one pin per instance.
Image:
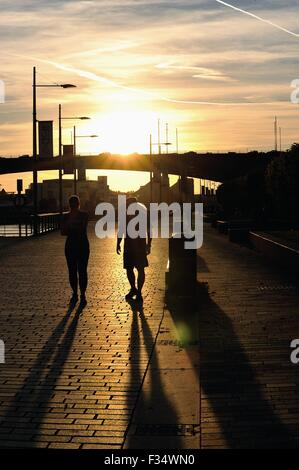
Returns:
(119, 132)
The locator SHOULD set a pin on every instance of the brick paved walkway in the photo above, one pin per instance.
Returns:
(250, 389)
(69, 378)
(114, 376)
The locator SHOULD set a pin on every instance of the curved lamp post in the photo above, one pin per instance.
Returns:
(34, 138)
(75, 137)
(60, 119)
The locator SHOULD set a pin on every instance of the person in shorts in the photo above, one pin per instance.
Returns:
(135, 253)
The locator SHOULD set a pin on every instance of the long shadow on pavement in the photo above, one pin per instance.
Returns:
(26, 414)
(228, 382)
(154, 418)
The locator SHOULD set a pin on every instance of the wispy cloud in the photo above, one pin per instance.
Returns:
(153, 95)
(201, 72)
(121, 46)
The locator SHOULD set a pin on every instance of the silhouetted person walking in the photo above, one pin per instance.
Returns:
(74, 226)
(135, 254)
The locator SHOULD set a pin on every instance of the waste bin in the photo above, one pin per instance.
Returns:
(182, 268)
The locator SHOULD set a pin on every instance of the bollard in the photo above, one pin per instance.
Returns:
(182, 275)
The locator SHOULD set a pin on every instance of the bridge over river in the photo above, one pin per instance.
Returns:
(215, 167)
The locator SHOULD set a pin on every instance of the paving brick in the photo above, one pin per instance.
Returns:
(64, 445)
(99, 440)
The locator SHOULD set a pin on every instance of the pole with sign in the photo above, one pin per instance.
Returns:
(68, 159)
(45, 139)
(19, 202)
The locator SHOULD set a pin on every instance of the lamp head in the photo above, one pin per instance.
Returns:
(67, 85)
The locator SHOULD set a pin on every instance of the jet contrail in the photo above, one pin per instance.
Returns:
(112, 83)
(93, 76)
(99, 78)
(258, 18)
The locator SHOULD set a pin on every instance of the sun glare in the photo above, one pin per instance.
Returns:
(121, 132)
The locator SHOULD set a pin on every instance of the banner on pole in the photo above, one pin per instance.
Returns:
(45, 139)
(68, 159)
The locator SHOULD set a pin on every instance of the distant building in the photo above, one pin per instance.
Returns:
(159, 190)
(6, 199)
(91, 193)
(155, 191)
(182, 190)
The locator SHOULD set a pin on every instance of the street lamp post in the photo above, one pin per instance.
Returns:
(151, 172)
(60, 161)
(34, 148)
(60, 118)
(159, 144)
(34, 142)
(75, 153)
(75, 163)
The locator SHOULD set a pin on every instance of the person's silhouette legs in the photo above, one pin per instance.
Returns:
(82, 271)
(140, 283)
(131, 279)
(73, 278)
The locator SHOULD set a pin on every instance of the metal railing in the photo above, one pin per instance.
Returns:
(23, 225)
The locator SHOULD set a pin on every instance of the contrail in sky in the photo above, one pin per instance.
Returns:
(112, 83)
(99, 78)
(258, 18)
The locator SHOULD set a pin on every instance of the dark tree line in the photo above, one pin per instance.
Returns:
(267, 193)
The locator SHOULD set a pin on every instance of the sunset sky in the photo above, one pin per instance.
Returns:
(206, 67)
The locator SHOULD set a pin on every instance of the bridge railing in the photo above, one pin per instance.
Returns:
(23, 225)
(48, 222)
